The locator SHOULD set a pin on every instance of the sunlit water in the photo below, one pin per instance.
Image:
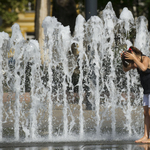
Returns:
(79, 92)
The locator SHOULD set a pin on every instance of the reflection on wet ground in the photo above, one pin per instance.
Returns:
(75, 146)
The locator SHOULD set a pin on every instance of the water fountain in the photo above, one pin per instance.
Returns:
(48, 101)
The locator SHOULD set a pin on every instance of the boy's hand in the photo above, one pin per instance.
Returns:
(130, 56)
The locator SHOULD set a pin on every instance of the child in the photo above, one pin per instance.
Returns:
(131, 59)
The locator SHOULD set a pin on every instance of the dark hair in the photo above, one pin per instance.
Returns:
(135, 50)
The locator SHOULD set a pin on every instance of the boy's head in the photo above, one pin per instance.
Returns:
(135, 50)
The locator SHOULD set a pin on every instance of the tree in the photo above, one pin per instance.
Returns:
(42, 10)
(9, 11)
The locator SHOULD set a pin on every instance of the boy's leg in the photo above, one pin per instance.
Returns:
(148, 140)
(146, 125)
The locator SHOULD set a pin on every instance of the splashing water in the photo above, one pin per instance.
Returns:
(50, 100)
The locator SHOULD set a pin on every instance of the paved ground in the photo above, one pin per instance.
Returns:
(122, 119)
(98, 145)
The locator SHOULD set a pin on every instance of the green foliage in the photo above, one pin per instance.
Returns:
(9, 10)
(9, 18)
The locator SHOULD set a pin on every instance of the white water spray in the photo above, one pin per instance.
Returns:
(39, 100)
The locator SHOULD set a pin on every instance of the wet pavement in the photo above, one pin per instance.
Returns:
(106, 145)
